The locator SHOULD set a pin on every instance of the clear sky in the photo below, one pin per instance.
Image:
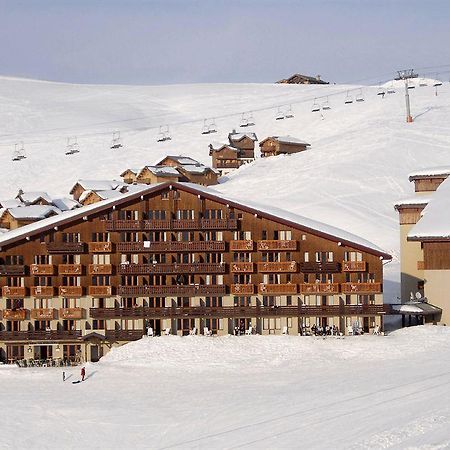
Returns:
(188, 41)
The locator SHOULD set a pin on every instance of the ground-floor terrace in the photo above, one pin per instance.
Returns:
(89, 337)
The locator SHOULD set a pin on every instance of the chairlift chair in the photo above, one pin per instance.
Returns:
(381, 91)
(348, 99)
(244, 121)
(359, 96)
(279, 115)
(72, 146)
(390, 89)
(411, 84)
(315, 107)
(422, 82)
(326, 106)
(212, 128)
(250, 120)
(437, 83)
(289, 113)
(16, 154)
(22, 151)
(116, 140)
(164, 134)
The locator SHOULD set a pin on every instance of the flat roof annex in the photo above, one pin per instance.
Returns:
(277, 215)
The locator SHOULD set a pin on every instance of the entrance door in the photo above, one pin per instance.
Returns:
(96, 352)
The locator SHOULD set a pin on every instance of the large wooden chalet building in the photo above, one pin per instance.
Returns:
(174, 258)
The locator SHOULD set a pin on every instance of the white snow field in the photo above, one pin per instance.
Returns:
(257, 392)
(352, 175)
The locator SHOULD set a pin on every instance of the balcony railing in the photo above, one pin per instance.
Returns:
(242, 289)
(278, 245)
(240, 311)
(175, 246)
(15, 314)
(100, 269)
(100, 291)
(277, 289)
(320, 267)
(42, 269)
(70, 269)
(12, 270)
(65, 247)
(179, 224)
(361, 288)
(100, 247)
(14, 292)
(227, 164)
(242, 246)
(124, 335)
(71, 313)
(43, 313)
(39, 336)
(42, 291)
(276, 267)
(319, 288)
(242, 267)
(174, 290)
(354, 266)
(144, 269)
(70, 291)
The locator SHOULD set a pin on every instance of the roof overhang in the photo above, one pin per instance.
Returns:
(416, 308)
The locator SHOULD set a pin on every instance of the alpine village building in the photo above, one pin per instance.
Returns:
(173, 258)
(278, 145)
(425, 249)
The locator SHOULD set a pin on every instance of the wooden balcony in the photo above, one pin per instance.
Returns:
(277, 289)
(15, 314)
(156, 224)
(123, 225)
(282, 246)
(100, 269)
(240, 311)
(242, 289)
(172, 290)
(39, 336)
(361, 288)
(71, 313)
(70, 269)
(42, 291)
(100, 247)
(65, 247)
(320, 267)
(242, 267)
(100, 291)
(12, 270)
(319, 288)
(227, 164)
(144, 269)
(354, 266)
(242, 246)
(43, 314)
(124, 335)
(174, 246)
(277, 267)
(70, 291)
(14, 292)
(42, 269)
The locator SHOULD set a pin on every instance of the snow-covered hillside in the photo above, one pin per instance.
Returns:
(355, 170)
(360, 392)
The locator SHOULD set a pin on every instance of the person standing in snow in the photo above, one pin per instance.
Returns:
(83, 373)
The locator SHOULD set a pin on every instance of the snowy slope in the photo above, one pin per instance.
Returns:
(361, 392)
(352, 175)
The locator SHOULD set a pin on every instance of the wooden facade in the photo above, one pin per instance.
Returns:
(273, 146)
(174, 258)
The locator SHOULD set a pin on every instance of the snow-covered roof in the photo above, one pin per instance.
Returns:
(135, 171)
(416, 308)
(183, 160)
(11, 203)
(65, 204)
(286, 140)
(236, 136)
(31, 197)
(162, 171)
(98, 185)
(196, 169)
(441, 171)
(33, 212)
(419, 200)
(110, 193)
(220, 145)
(435, 220)
(271, 212)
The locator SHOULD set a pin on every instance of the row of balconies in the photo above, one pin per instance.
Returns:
(43, 313)
(61, 335)
(49, 291)
(180, 224)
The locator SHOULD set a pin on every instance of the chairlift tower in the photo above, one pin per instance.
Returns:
(406, 75)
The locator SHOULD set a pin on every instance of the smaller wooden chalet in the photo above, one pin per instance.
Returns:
(278, 145)
(34, 198)
(157, 174)
(13, 218)
(245, 142)
(224, 157)
(191, 170)
(129, 175)
(96, 185)
(89, 197)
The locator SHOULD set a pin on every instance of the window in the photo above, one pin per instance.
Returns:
(306, 257)
(242, 257)
(12, 260)
(157, 214)
(242, 235)
(100, 258)
(185, 214)
(42, 281)
(322, 257)
(128, 214)
(165, 195)
(213, 214)
(98, 324)
(352, 256)
(283, 235)
(101, 280)
(42, 259)
(100, 237)
(242, 301)
(71, 237)
(264, 235)
(212, 302)
(186, 236)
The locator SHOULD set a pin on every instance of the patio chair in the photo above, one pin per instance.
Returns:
(285, 330)
(350, 330)
(207, 331)
(249, 332)
(150, 332)
(167, 331)
(193, 332)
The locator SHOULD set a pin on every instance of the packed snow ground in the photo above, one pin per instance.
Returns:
(354, 172)
(358, 392)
